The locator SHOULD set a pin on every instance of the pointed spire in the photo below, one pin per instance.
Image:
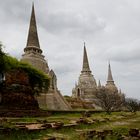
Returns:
(86, 67)
(110, 78)
(99, 84)
(120, 91)
(33, 35)
(75, 84)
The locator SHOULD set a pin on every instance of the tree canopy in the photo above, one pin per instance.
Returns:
(109, 101)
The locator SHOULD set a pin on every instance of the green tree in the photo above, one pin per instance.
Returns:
(132, 105)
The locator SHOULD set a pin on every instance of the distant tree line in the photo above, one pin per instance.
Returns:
(132, 104)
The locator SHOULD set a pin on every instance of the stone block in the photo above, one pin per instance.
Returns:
(16, 77)
(57, 125)
(134, 132)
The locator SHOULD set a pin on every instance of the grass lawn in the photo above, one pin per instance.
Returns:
(119, 122)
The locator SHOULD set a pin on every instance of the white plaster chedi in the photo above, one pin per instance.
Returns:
(33, 55)
(110, 82)
(86, 87)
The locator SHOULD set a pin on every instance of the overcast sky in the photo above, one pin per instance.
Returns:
(110, 28)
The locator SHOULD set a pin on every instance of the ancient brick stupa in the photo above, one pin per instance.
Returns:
(16, 91)
(33, 55)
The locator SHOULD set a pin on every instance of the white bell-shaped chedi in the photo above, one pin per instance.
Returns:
(110, 82)
(33, 55)
(86, 87)
(32, 52)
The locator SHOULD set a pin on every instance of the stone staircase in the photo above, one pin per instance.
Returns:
(53, 100)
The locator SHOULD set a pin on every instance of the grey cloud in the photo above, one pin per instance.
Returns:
(70, 23)
(64, 64)
(14, 11)
(126, 54)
